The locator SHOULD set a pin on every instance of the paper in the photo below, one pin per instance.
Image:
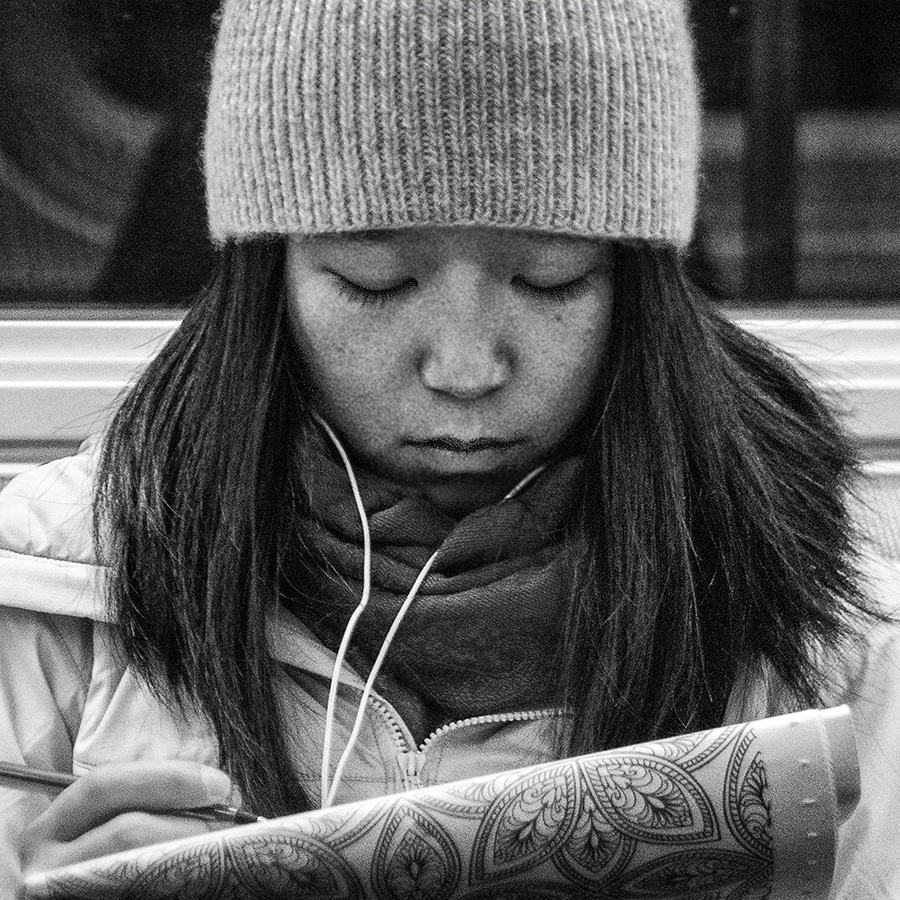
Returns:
(743, 812)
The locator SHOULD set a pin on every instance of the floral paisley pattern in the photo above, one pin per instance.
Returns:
(748, 807)
(415, 858)
(277, 865)
(690, 818)
(468, 800)
(596, 852)
(527, 823)
(652, 799)
(691, 874)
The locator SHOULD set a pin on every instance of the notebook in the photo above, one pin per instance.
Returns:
(746, 811)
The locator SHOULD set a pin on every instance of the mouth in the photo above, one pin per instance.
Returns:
(451, 444)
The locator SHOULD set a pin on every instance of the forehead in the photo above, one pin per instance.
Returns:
(438, 242)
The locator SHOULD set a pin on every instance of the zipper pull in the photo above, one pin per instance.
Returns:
(410, 762)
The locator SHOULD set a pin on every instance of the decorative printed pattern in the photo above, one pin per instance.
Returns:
(415, 857)
(693, 874)
(526, 824)
(688, 818)
(748, 808)
(652, 800)
(596, 853)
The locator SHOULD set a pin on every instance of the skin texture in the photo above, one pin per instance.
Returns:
(459, 333)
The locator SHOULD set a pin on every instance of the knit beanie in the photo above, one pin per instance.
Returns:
(570, 116)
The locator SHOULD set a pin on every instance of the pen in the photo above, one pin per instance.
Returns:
(28, 779)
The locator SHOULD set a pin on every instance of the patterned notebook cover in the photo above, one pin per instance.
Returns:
(743, 812)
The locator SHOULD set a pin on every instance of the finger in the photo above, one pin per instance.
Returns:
(127, 831)
(111, 790)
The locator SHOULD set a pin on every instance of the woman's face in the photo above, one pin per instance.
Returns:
(453, 360)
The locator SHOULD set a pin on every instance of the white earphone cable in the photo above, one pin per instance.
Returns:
(329, 786)
(370, 681)
(351, 624)
(525, 481)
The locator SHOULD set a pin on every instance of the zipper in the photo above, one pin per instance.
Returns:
(407, 758)
(530, 715)
(398, 732)
(411, 759)
(411, 762)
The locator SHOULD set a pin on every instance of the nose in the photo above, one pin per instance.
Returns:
(467, 354)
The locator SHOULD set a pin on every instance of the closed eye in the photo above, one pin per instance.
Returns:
(565, 290)
(360, 293)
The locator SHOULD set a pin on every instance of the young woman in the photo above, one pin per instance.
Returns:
(451, 418)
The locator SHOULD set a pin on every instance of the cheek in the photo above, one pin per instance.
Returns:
(336, 344)
(572, 355)
(335, 353)
(326, 348)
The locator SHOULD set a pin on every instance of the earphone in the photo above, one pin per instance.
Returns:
(329, 786)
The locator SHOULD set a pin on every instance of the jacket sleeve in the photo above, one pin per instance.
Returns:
(868, 858)
(47, 558)
(45, 667)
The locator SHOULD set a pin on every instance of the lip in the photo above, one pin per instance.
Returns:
(453, 444)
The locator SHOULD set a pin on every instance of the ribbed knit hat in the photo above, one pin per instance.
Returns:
(570, 116)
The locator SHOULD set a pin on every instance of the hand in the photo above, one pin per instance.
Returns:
(119, 807)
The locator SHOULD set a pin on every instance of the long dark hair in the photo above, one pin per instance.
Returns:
(714, 534)
(715, 520)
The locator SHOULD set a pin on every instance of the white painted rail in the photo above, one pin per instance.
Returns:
(60, 378)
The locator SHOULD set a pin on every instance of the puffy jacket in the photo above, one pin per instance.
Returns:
(67, 703)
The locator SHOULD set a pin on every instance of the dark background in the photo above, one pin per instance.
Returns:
(101, 113)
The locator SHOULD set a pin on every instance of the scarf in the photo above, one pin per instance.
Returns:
(482, 632)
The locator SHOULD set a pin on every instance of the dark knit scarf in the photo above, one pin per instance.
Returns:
(481, 635)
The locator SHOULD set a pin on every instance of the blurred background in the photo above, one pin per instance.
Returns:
(101, 110)
(103, 237)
